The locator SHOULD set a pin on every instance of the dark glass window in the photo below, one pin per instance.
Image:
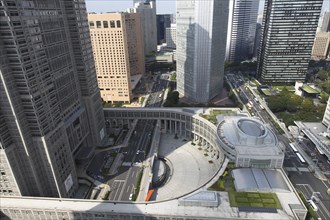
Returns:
(98, 24)
(112, 24)
(118, 24)
(105, 24)
(91, 24)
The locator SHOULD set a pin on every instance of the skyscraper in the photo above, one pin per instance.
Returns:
(326, 117)
(147, 10)
(325, 26)
(242, 29)
(163, 22)
(201, 46)
(321, 45)
(171, 36)
(49, 99)
(117, 42)
(288, 32)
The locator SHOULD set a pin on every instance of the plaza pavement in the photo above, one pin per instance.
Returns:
(190, 169)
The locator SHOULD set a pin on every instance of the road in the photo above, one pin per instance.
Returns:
(298, 173)
(123, 184)
(307, 184)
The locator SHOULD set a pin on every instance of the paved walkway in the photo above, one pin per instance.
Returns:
(190, 169)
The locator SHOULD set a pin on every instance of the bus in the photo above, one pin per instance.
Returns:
(293, 147)
(313, 205)
(301, 158)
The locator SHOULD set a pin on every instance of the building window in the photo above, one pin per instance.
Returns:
(105, 24)
(91, 24)
(112, 24)
(118, 24)
(98, 24)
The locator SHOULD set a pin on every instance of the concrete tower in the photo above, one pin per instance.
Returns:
(201, 47)
(50, 103)
(147, 9)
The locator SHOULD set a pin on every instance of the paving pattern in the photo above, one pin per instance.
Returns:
(190, 169)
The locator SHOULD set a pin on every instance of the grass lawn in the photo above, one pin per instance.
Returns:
(309, 89)
(212, 117)
(254, 199)
(266, 92)
(290, 88)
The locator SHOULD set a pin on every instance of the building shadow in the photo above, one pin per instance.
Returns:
(201, 55)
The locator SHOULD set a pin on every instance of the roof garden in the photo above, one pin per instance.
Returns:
(309, 90)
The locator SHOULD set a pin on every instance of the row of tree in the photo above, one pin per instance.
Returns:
(290, 107)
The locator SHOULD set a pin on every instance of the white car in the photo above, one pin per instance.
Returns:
(130, 196)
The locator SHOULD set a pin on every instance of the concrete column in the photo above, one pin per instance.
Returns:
(175, 127)
(170, 127)
(180, 127)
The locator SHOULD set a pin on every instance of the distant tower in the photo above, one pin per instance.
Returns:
(242, 29)
(171, 36)
(325, 26)
(147, 9)
(121, 35)
(163, 22)
(326, 117)
(288, 32)
(50, 105)
(201, 47)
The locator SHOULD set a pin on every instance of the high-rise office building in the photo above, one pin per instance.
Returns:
(257, 40)
(325, 25)
(50, 104)
(147, 10)
(288, 32)
(171, 36)
(117, 42)
(321, 45)
(201, 47)
(242, 29)
(163, 22)
(326, 117)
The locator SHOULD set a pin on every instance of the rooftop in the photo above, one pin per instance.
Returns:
(308, 89)
(252, 128)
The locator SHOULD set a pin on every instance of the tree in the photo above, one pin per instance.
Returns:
(294, 102)
(277, 103)
(325, 86)
(172, 99)
(307, 105)
(324, 97)
(323, 75)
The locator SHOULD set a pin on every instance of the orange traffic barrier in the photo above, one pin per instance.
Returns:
(150, 194)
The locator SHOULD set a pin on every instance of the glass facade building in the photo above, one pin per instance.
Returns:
(288, 32)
